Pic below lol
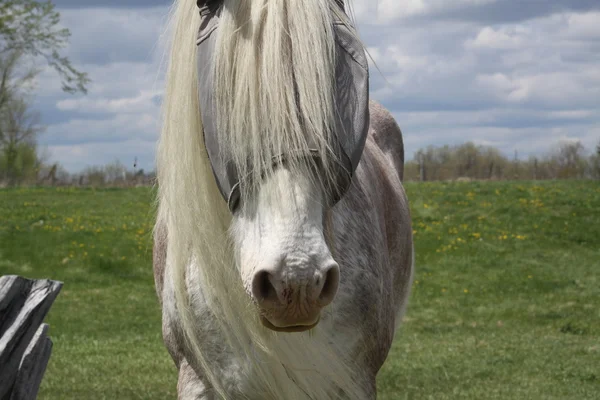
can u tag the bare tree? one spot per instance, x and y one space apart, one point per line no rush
32 28
569 159
19 127
15 81
116 172
595 163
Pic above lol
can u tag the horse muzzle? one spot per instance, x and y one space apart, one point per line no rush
293 302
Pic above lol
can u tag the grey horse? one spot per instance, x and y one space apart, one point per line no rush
285 291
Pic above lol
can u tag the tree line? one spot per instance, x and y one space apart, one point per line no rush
566 160
113 174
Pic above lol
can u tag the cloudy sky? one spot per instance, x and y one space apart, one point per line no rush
516 74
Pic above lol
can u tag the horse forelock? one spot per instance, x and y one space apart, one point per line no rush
274 86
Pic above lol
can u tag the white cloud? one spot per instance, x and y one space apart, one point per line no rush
116 129
75 157
387 11
583 26
505 38
142 102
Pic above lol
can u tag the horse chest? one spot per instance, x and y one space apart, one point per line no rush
239 375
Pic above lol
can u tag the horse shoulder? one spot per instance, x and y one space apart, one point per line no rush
385 151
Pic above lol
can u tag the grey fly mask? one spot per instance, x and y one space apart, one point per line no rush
351 103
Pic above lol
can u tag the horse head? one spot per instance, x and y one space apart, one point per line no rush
284 135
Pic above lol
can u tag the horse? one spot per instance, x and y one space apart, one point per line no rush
283 252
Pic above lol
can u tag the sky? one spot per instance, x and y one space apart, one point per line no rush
518 75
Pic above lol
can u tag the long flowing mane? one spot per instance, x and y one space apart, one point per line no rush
273 69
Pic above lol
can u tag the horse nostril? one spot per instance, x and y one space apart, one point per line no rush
262 288
330 286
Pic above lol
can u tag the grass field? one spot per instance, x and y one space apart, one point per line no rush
505 305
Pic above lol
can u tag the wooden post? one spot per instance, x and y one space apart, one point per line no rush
24 347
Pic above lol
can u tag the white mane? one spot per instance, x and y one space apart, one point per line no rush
265 47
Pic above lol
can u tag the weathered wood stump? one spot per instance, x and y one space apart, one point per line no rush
24 347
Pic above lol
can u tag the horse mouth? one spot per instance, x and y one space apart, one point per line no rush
288 329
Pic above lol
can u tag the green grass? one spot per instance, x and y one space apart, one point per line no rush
505 304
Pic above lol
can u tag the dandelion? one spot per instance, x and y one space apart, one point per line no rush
465 290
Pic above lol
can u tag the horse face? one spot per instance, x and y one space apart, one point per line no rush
285 262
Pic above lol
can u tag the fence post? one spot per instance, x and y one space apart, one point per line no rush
24 345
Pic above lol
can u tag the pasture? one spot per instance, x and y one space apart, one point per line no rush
505 303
